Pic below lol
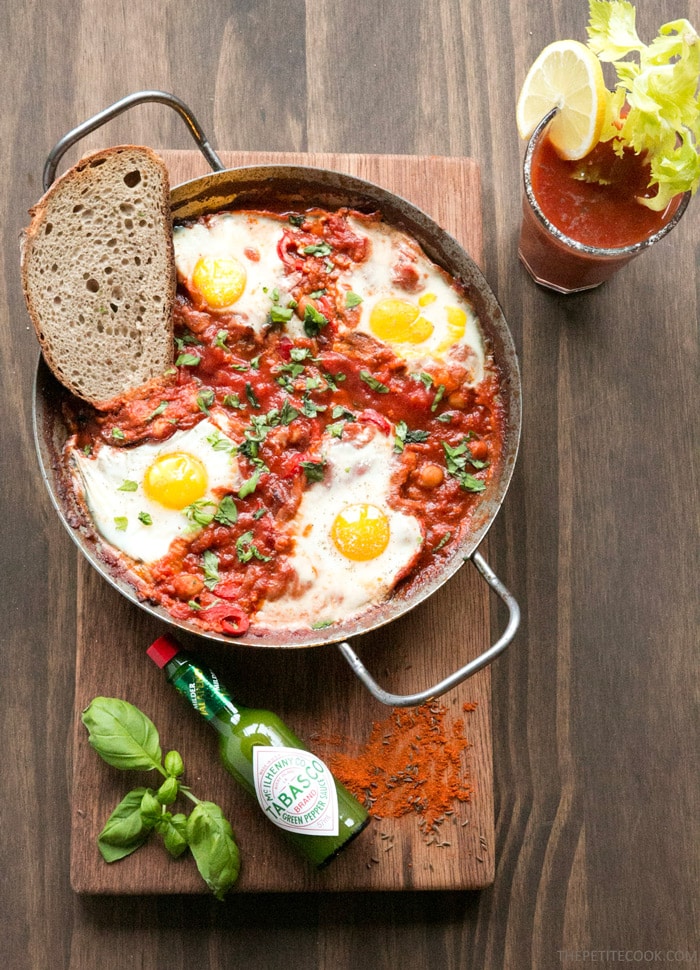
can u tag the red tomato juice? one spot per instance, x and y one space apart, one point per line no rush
592 201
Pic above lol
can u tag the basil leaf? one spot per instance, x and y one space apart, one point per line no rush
213 846
125 830
211 568
250 394
318 249
352 299
314 320
280 314
250 484
159 410
187 360
247 550
220 442
120 523
438 397
168 791
174 832
128 486
205 399
122 735
198 512
373 382
145 518
227 513
118 434
314 470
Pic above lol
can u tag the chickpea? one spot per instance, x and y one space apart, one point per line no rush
430 475
187 586
458 400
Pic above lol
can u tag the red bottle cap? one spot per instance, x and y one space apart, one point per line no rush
162 650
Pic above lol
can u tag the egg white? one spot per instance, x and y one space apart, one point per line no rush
232 234
103 475
329 587
373 281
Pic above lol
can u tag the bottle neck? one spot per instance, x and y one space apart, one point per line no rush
202 689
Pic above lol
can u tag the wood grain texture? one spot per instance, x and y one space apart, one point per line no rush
326 700
594 713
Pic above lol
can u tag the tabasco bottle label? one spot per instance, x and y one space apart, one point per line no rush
296 790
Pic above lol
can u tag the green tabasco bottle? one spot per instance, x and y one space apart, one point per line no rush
294 788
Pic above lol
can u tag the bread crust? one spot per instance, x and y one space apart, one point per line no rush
98 273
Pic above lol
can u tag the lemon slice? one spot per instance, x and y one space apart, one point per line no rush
567 75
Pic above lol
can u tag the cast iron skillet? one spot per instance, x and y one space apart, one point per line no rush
302 187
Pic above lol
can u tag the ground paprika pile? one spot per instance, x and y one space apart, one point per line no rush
412 762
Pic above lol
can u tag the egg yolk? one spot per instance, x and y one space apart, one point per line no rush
456 325
219 280
398 321
360 532
175 480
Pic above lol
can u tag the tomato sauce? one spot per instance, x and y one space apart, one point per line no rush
594 200
280 396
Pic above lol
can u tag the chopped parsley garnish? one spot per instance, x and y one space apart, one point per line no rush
118 434
232 401
314 320
295 219
373 382
145 518
210 563
404 436
120 523
352 299
128 486
221 338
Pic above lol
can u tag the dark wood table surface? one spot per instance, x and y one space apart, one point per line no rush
595 718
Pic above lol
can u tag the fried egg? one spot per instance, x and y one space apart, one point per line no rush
143 497
409 304
350 546
229 263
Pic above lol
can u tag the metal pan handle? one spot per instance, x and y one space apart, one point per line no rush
411 700
139 97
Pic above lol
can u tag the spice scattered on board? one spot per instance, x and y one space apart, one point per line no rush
412 762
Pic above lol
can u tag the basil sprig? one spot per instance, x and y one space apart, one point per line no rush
126 738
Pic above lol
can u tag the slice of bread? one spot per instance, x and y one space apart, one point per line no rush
98 273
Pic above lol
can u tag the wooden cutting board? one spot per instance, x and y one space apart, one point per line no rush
313 690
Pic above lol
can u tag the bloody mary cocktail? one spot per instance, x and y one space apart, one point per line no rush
581 219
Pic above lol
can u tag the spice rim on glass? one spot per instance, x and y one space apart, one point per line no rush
555 260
